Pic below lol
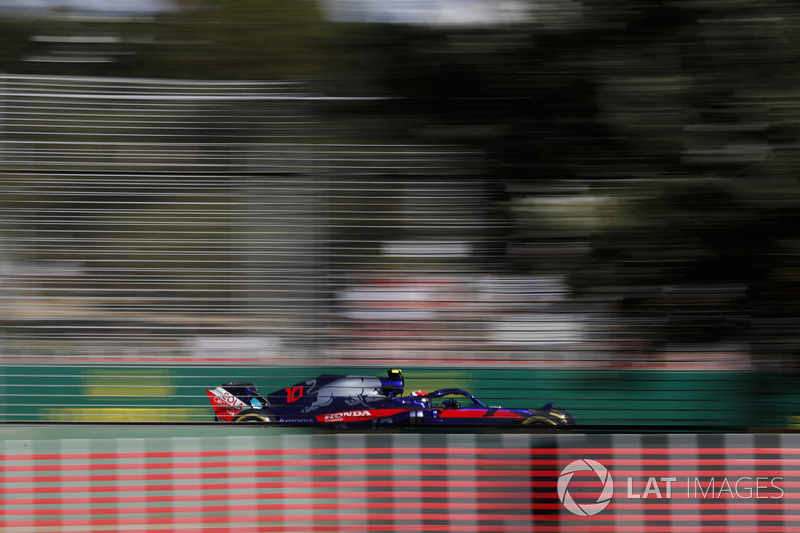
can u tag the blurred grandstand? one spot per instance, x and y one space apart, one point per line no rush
179 221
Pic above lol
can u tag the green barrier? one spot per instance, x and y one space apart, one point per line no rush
633 397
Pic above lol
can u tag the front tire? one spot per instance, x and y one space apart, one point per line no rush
540 421
254 416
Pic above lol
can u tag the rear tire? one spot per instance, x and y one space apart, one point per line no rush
254 416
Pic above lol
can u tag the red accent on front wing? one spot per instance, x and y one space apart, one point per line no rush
477 413
357 415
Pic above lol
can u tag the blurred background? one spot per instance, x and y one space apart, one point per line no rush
540 185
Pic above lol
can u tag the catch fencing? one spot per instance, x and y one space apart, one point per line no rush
260 480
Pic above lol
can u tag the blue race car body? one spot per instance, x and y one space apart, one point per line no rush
365 401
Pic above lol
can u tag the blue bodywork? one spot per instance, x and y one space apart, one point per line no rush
366 401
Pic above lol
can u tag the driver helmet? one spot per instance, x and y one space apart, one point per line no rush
418 393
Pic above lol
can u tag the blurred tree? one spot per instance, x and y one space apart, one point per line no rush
15 42
671 123
208 39
240 39
694 98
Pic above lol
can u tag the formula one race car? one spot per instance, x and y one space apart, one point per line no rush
360 401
